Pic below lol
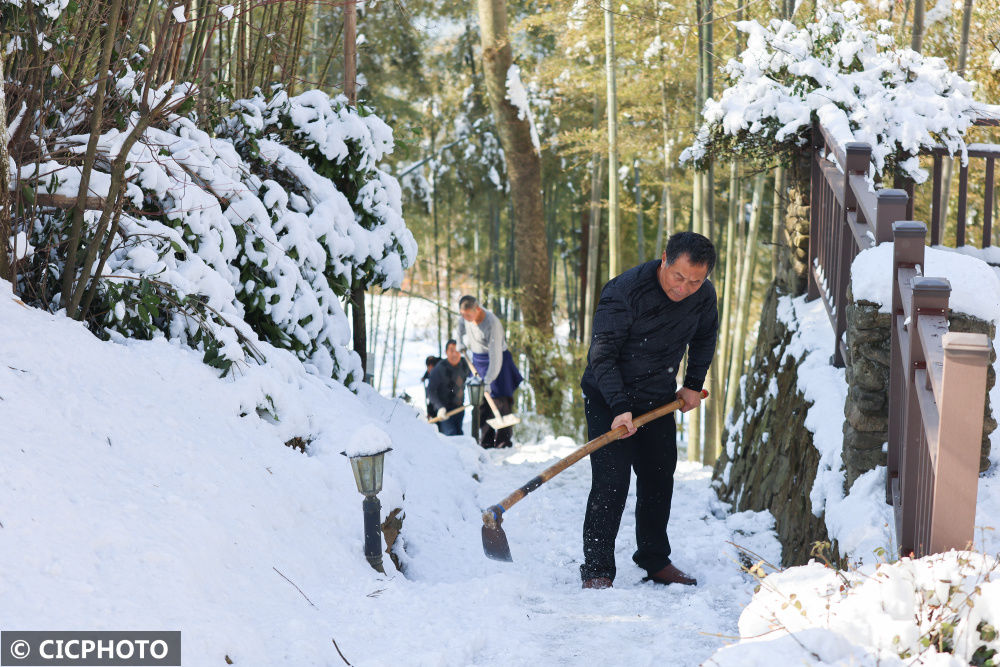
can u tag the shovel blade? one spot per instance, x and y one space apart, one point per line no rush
495 544
497 423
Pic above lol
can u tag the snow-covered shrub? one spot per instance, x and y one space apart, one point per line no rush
851 77
228 239
316 144
942 609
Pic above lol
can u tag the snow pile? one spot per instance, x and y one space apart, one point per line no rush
156 495
256 233
850 77
939 610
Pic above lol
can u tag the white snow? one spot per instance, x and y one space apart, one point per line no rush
178 13
903 613
518 96
140 490
850 76
975 287
368 440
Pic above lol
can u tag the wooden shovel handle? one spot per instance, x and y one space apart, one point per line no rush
434 420
491 516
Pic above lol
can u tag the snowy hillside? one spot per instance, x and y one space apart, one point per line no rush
140 491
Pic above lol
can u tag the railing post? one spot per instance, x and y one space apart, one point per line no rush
815 201
908 252
891 208
960 434
930 296
856 162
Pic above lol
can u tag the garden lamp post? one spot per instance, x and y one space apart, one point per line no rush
476 388
367 470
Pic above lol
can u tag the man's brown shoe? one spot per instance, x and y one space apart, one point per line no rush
597 583
671 575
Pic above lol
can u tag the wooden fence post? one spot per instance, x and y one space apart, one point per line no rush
857 161
960 435
907 252
930 297
891 208
815 197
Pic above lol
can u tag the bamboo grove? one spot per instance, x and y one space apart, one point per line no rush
614 90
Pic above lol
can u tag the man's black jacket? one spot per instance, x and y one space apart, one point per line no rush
446 385
639 341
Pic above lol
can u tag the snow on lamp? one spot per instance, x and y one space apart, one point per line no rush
367 455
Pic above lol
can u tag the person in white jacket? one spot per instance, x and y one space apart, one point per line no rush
482 333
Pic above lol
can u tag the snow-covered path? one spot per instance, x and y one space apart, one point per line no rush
469 610
474 611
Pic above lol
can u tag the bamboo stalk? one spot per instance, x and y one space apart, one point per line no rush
97 119
743 301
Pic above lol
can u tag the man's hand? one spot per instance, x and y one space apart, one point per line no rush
624 419
442 412
692 398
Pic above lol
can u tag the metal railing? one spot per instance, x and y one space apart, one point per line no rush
935 419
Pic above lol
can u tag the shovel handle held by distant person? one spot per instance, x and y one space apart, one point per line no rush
492 516
434 420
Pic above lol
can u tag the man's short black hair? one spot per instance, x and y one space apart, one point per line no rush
698 249
451 341
431 361
467 302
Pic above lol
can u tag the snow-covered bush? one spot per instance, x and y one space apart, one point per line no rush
851 77
942 610
232 238
342 146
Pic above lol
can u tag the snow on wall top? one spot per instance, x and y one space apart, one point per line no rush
975 288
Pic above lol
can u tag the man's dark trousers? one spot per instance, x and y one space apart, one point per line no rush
652 452
488 436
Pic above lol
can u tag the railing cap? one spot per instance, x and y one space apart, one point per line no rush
892 195
909 228
930 285
966 344
857 147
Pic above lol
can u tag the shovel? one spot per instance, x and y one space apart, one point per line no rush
435 420
498 421
495 540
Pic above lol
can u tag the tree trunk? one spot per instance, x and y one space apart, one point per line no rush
614 234
5 212
917 40
639 232
594 236
777 218
949 163
725 333
743 301
96 120
523 168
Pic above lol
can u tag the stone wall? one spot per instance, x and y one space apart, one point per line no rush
866 412
769 462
